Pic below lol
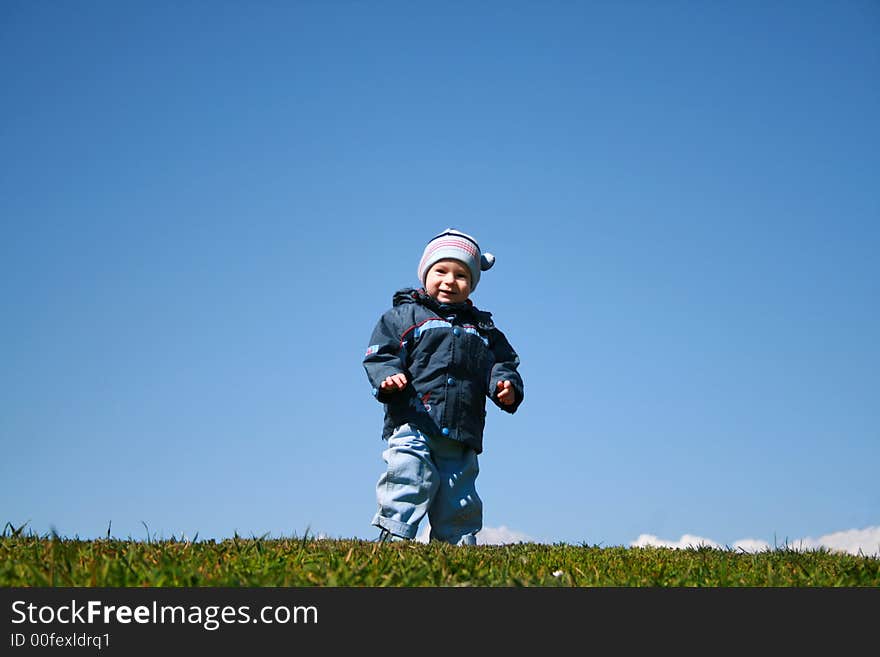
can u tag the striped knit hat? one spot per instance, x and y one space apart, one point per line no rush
458 246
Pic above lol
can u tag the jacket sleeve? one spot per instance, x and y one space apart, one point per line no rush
384 355
504 369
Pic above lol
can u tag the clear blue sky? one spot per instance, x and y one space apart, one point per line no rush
205 206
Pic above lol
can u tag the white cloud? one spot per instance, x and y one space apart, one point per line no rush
853 541
751 545
501 535
486 536
686 541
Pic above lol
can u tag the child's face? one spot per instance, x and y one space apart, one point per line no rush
448 281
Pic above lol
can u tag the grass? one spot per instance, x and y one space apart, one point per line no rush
28 560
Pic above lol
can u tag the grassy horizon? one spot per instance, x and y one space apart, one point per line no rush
30 560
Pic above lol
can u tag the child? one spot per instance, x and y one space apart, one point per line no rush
432 361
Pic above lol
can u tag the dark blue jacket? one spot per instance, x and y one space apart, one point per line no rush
453 357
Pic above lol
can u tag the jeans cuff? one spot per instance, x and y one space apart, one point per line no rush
396 527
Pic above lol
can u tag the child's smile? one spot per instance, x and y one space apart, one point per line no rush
448 281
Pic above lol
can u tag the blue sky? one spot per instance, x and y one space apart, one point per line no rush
206 206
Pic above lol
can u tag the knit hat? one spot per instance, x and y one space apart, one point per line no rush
458 246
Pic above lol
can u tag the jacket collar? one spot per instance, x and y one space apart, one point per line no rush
466 309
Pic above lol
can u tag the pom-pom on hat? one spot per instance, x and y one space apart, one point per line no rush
458 246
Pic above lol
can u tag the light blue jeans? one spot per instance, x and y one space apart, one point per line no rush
433 476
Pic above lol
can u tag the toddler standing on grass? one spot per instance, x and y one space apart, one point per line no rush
433 360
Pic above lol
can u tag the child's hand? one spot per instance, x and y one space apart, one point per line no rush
393 383
506 394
